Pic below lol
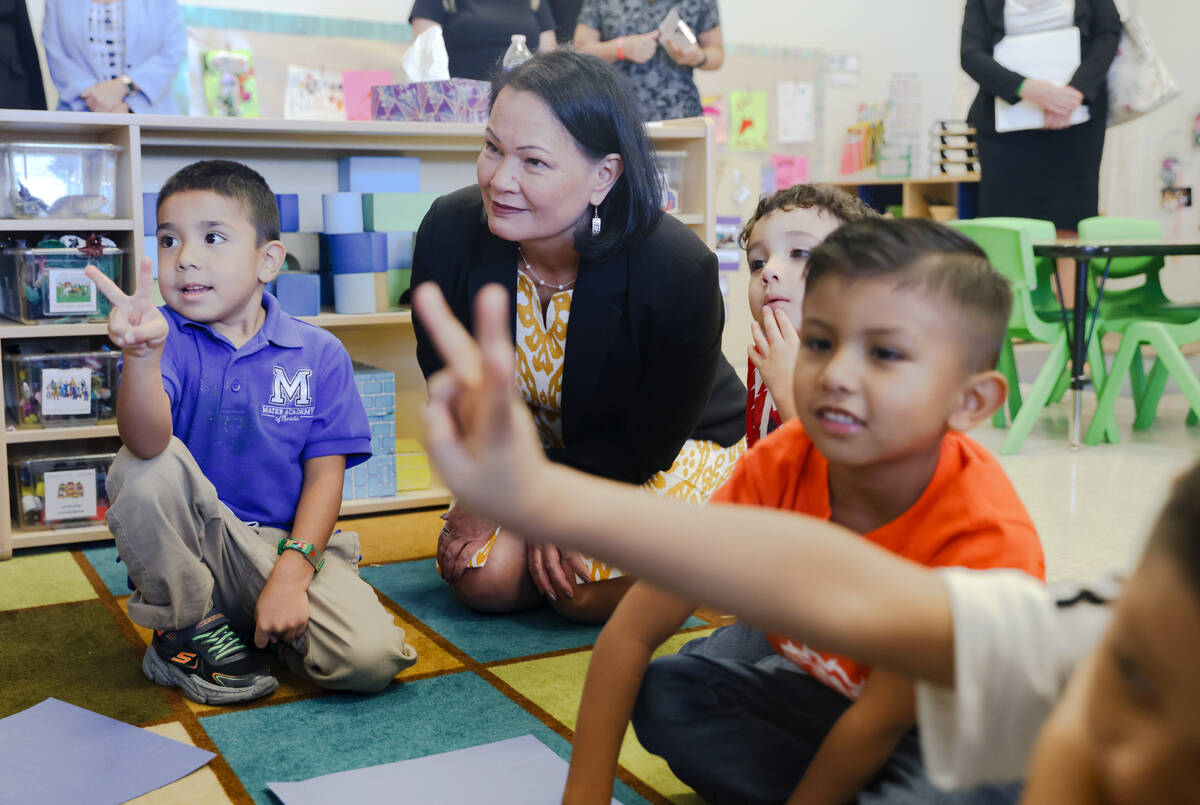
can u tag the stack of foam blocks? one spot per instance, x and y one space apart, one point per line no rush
375 477
298 285
366 246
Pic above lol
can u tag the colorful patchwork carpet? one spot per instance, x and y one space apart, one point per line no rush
65 632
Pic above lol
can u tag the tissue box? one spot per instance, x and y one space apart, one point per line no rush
412 466
60 490
61 388
455 100
43 286
58 180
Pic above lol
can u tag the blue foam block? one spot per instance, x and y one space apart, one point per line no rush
399 250
341 212
299 292
378 174
354 252
289 211
149 213
354 293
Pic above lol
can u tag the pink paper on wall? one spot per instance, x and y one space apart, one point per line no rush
715 108
356 84
789 170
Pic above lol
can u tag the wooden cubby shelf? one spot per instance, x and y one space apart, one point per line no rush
294 157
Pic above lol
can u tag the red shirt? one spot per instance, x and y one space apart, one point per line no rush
968 516
761 415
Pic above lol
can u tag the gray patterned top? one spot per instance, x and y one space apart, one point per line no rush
664 89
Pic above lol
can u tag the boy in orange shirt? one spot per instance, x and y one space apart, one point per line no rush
1109 692
902 323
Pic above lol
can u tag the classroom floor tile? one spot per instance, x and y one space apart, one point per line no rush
201 787
42 576
556 684
337 732
104 560
77 653
397 537
485 638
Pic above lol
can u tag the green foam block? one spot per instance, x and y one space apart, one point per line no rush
398 281
395 212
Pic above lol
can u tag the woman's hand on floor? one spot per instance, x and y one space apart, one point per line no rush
462 536
553 571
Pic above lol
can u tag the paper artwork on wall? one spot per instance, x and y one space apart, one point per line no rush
716 108
789 170
356 88
795 112
313 95
230 88
729 254
748 120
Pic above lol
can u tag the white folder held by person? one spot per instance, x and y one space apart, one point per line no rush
1049 55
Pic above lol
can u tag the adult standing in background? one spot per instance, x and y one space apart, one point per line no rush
625 33
566 14
20 67
1052 173
114 55
477 32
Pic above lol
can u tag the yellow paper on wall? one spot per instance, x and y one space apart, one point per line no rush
748 120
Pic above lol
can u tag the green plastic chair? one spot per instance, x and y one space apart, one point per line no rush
1008 247
1145 301
1044 301
1166 338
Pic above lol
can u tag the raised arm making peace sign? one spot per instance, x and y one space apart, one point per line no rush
135 324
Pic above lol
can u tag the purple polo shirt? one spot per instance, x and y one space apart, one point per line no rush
252 416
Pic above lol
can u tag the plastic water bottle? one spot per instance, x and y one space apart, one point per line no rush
517 52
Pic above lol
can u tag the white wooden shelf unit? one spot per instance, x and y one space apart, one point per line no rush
294 157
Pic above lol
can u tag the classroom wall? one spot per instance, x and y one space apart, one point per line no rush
917 35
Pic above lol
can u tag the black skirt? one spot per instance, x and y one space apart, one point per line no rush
1051 175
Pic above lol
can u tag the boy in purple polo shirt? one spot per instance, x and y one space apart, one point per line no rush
238 422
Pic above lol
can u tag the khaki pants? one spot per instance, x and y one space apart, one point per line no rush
188 553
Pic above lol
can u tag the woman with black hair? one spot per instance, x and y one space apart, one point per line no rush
616 313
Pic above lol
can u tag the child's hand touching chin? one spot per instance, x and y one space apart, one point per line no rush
774 352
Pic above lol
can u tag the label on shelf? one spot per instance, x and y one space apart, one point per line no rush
67 391
71 291
70 495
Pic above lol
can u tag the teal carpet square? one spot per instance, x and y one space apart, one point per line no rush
417 587
108 567
338 732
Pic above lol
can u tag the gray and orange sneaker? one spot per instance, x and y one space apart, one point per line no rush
208 662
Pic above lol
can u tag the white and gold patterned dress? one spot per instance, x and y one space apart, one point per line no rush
699 469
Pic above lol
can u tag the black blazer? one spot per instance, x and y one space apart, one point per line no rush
643 370
983 26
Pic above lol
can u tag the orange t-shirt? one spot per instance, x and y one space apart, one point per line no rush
968 516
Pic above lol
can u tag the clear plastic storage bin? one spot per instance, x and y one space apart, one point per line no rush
58 180
42 286
52 491
672 179
61 388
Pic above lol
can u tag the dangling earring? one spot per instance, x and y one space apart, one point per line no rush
595 221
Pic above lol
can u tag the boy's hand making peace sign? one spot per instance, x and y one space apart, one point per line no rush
135 324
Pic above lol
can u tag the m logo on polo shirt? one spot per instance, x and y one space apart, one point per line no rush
291 397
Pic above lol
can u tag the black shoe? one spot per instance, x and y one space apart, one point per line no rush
208 662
